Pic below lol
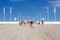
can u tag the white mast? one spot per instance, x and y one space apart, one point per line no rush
15 19
48 13
55 13
10 14
4 13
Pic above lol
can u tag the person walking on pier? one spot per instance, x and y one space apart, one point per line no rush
42 20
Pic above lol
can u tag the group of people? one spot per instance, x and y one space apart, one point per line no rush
29 22
26 22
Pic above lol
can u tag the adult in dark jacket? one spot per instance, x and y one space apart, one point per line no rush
42 20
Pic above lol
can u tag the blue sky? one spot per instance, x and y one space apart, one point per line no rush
29 9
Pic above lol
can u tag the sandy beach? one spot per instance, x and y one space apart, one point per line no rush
25 32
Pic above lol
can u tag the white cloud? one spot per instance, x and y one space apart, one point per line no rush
55 3
16 0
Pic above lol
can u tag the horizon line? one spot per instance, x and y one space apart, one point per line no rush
36 22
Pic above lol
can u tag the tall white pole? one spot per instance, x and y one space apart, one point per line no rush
37 18
10 14
15 19
55 13
48 13
4 13
18 16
